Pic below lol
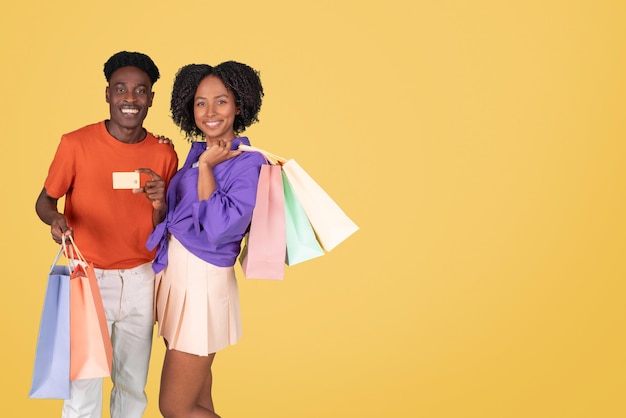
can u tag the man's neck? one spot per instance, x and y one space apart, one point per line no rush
125 135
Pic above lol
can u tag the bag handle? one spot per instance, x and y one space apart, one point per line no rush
280 160
71 252
75 251
62 249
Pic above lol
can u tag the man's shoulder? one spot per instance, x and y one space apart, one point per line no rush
164 149
87 130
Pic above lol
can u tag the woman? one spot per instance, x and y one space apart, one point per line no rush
209 209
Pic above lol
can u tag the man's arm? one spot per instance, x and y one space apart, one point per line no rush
46 208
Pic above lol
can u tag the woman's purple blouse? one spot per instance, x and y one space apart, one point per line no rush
210 229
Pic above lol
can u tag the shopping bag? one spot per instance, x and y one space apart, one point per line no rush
90 343
51 372
263 256
302 245
331 224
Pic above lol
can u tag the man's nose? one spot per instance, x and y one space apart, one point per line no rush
130 96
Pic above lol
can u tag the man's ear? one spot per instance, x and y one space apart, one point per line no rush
107 94
151 99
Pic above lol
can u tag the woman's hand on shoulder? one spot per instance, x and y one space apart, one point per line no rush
164 140
218 153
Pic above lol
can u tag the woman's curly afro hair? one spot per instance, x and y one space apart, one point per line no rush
131 59
240 79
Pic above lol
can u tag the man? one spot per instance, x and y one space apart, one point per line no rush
111 225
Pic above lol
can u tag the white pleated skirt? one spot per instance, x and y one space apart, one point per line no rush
196 303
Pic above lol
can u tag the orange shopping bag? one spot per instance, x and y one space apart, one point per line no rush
90 343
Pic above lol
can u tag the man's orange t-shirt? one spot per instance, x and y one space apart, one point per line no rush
110 226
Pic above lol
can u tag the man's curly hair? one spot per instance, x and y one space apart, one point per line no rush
132 59
240 79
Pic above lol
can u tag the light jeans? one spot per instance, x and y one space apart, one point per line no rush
128 297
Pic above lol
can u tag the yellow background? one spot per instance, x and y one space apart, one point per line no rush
478 145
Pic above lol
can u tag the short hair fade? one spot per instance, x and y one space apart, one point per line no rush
131 59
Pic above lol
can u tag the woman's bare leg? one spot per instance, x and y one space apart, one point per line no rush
205 399
184 392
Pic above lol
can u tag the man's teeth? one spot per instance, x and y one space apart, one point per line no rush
133 111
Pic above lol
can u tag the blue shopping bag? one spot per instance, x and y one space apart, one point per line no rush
51 373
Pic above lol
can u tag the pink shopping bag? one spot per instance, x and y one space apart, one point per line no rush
263 256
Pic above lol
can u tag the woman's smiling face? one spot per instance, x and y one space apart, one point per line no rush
214 110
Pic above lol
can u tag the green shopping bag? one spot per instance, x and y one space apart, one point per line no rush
302 245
